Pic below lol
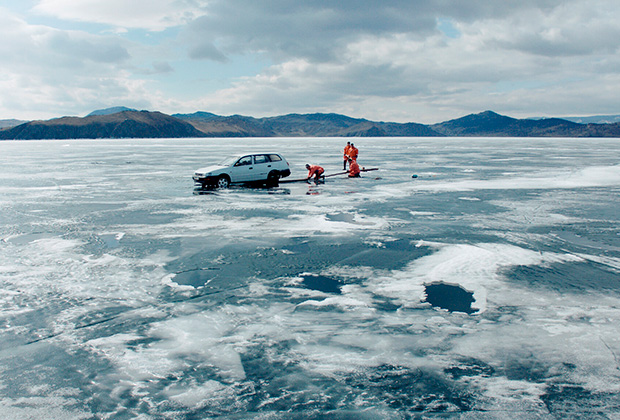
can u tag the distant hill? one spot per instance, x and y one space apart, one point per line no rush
491 124
110 111
126 124
300 125
595 119
212 125
145 124
10 123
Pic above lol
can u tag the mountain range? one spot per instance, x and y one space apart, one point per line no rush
121 122
595 119
124 124
10 123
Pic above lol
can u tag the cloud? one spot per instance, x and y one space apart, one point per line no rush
289 29
414 60
577 28
207 51
154 15
82 47
162 67
408 77
52 96
319 30
48 71
397 58
39 45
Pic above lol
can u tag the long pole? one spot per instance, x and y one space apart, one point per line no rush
346 172
286 181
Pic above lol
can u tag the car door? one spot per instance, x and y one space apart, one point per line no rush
242 170
278 163
262 165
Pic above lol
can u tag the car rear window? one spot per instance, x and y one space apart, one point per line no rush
275 158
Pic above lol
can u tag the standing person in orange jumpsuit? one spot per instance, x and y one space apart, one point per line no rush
354 169
315 170
353 152
347 149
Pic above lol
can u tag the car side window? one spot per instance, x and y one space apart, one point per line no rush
275 158
260 159
246 160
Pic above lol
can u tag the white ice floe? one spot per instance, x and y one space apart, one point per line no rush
476 268
168 280
203 338
597 176
197 395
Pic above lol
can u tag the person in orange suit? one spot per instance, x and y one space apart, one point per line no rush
354 169
353 152
347 149
315 170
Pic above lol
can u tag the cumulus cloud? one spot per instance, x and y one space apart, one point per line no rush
49 71
320 30
206 51
580 28
514 57
317 30
43 46
81 48
155 15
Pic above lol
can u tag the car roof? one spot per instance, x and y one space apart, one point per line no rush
258 153
239 155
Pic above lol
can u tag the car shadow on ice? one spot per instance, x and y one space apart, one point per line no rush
250 189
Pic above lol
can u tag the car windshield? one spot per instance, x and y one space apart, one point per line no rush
230 160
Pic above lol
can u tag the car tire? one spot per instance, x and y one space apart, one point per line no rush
223 182
273 179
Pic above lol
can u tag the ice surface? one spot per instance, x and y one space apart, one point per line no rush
127 293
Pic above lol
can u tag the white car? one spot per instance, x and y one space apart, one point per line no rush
255 168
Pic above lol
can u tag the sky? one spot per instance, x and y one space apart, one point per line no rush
422 61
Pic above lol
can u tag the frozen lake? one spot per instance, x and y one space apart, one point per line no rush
487 287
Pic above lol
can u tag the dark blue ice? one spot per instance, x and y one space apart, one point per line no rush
126 292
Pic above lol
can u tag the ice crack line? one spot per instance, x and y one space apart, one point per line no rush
613 353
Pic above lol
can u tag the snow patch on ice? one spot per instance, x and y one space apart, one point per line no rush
196 396
168 280
342 302
473 267
597 176
203 338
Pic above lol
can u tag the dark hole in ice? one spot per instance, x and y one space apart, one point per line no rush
321 283
195 277
450 297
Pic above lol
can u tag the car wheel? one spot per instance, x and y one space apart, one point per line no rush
273 179
223 182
